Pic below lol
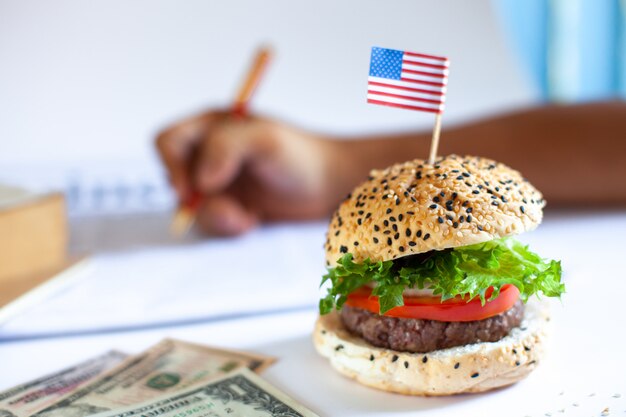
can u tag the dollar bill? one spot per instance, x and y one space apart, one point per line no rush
28 398
238 394
168 366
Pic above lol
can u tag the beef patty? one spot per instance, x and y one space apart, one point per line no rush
419 336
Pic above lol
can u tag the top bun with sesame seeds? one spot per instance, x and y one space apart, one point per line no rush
415 207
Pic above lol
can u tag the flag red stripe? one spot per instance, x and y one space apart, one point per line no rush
423 64
439 58
402 106
416 90
410 80
428 74
423 100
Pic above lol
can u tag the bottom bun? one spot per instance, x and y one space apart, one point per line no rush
471 368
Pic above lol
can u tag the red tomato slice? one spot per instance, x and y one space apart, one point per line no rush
432 308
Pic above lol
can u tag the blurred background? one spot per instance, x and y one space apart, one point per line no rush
85 86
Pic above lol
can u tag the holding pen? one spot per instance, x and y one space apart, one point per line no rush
185 215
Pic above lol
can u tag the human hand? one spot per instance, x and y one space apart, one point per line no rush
247 170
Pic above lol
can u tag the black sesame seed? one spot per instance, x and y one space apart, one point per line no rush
475 375
389 241
376 228
475 192
337 233
522 209
394 227
442 194
469 219
419 233
358 222
386 223
401 248
426 236
372 357
408 232
455 225
356 243
410 213
449 217
361 212
338 347
456 365
412 243
387 232
454 196
394 358
479 228
436 199
460 177
413 199
425 359
397 201
393 219
406 364
385 197
368 215
517 363
531 362
433 206
388 211
466 174
503 199
343 249
400 216
396 236
375 240
514 351
440 219
374 189
469 210
526 348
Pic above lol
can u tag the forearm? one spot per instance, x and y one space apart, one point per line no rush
576 155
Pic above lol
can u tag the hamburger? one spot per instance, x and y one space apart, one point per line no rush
427 291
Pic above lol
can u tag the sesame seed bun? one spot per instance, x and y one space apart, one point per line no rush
464 369
415 207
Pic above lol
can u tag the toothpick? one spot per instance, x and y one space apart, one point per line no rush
434 142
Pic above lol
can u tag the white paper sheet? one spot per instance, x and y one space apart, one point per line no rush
274 268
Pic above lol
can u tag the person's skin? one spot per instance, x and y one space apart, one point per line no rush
254 169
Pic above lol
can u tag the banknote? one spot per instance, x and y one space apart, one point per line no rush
168 366
28 398
240 393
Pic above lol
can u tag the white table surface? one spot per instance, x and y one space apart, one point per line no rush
584 372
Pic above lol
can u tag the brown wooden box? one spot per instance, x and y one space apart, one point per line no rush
33 238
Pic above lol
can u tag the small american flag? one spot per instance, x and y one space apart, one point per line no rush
407 80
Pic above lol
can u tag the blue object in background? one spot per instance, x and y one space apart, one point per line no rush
574 50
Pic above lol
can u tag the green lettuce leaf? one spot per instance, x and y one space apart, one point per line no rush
463 271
